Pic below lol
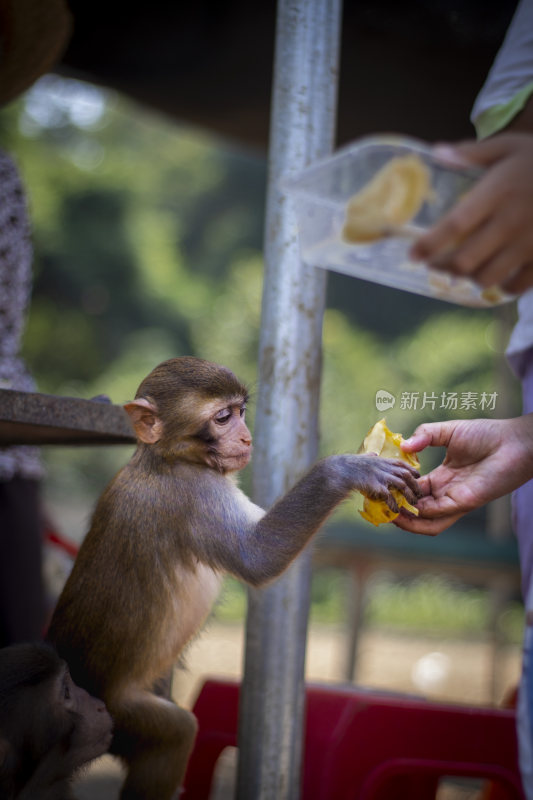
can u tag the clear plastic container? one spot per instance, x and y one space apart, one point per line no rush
321 193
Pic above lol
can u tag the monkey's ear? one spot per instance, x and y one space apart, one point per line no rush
143 414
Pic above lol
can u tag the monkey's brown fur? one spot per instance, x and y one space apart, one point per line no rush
165 530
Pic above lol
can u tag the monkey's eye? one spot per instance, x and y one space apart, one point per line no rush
242 411
223 417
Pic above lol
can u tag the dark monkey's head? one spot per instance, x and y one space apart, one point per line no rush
42 711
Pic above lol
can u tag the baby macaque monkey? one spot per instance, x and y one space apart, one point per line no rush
164 532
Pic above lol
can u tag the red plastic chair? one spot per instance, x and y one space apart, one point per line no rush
216 709
368 746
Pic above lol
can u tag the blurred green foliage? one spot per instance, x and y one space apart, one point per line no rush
428 605
148 244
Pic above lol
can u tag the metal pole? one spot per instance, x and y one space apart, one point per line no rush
286 434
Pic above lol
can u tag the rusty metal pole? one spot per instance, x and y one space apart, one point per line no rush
286 430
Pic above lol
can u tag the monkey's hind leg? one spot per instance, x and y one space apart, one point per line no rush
155 738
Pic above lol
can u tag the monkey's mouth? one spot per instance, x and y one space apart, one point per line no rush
240 460
103 744
245 455
228 462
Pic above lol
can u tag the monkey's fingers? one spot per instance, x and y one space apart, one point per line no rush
407 484
390 499
384 509
410 496
393 476
381 494
406 475
402 466
385 503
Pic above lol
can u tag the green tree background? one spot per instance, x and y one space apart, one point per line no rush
148 240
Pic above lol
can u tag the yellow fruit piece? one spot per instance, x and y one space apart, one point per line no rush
383 442
391 199
376 511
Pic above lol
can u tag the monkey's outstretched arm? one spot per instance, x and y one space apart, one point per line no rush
258 546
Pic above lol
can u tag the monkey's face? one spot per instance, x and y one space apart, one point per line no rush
41 707
227 438
92 723
193 410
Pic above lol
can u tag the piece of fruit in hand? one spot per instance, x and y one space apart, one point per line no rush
383 442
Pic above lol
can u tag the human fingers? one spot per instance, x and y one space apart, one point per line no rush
442 240
422 525
438 504
504 266
483 153
521 281
500 247
424 485
449 154
445 235
512 156
470 152
469 257
470 220
429 434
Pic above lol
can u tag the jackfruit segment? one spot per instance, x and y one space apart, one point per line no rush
376 511
389 200
384 442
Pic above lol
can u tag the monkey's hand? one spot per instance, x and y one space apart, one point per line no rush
388 480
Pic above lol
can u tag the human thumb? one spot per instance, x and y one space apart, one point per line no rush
430 434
